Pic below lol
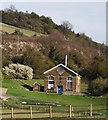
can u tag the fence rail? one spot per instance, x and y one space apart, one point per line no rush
38 111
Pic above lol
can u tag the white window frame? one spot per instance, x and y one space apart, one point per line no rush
50 86
67 82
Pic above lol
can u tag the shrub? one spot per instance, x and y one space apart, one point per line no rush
18 71
99 87
17 32
6 61
77 58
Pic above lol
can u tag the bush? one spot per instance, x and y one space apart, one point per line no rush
77 58
6 61
17 32
99 87
18 71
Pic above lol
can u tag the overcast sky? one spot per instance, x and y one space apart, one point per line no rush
86 17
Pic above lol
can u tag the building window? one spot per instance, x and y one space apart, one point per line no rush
69 84
51 83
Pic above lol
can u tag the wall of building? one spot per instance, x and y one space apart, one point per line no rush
63 81
78 83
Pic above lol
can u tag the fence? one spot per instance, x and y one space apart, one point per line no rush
42 111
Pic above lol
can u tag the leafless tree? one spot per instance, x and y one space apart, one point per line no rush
12 7
67 25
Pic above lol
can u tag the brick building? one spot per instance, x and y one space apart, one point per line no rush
61 79
37 86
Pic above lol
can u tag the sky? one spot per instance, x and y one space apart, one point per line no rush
86 17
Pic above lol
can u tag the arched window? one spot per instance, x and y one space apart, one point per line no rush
51 82
69 84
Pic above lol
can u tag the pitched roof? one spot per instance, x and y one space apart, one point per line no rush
62 66
36 83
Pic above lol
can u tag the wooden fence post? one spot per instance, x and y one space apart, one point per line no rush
91 110
70 111
12 113
50 111
31 112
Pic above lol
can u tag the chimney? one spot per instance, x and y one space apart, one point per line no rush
66 60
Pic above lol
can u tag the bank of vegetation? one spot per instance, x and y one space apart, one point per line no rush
85 56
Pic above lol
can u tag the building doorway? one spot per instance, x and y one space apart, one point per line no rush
60 89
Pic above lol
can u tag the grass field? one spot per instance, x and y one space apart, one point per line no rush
10 29
15 88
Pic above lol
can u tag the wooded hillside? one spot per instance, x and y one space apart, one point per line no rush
85 56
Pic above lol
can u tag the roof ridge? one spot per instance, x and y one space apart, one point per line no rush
63 66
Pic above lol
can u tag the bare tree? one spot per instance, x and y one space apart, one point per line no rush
12 7
67 25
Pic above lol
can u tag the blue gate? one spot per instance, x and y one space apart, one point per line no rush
60 89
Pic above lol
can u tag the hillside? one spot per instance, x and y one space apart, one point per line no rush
9 29
29 21
50 45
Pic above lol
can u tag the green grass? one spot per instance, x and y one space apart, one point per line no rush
10 29
15 88
16 84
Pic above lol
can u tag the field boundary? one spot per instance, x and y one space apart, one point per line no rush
57 111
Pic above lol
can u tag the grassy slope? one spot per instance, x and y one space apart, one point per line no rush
19 90
10 29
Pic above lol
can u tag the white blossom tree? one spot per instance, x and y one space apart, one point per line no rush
18 71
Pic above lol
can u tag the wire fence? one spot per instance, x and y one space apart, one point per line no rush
45 111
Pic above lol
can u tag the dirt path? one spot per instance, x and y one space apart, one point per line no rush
3 95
